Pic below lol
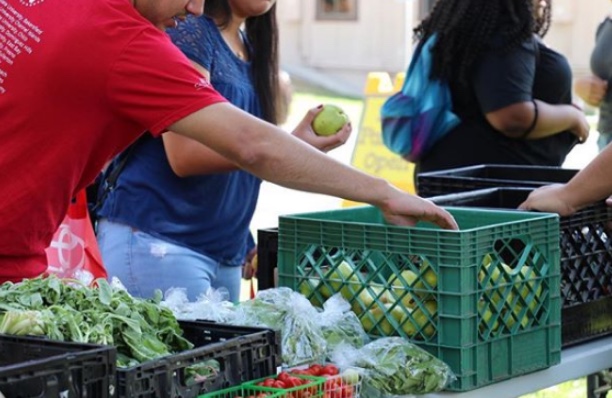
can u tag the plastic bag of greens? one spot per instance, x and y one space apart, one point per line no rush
212 305
340 325
260 311
283 309
395 367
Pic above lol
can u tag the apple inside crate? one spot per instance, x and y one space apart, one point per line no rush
484 299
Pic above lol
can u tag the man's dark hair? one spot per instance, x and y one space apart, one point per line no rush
464 29
262 34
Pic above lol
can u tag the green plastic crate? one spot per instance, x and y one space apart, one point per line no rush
484 299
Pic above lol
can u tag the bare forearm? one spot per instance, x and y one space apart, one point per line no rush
593 183
310 170
553 119
188 157
278 157
517 120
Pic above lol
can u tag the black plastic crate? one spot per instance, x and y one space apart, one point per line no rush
243 353
586 260
267 257
37 367
489 176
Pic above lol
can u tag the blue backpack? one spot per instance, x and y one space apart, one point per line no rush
416 117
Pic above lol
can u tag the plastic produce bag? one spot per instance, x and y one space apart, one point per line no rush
261 312
394 367
340 325
73 252
283 309
213 305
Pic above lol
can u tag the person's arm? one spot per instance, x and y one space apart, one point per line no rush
591 89
188 157
515 119
503 84
273 155
591 184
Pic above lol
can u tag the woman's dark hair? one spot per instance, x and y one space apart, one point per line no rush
464 29
262 34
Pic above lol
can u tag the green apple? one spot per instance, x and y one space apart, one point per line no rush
495 274
486 322
398 289
308 288
369 297
376 320
344 278
410 278
517 314
486 269
330 120
423 283
340 274
417 324
349 290
529 287
370 318
428 279
490 271
324 290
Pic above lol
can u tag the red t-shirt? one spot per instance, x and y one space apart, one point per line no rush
79 81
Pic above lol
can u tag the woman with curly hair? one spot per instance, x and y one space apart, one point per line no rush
512 93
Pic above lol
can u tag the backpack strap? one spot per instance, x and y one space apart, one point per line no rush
108 181
536 42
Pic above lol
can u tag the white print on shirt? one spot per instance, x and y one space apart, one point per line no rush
31 3
17 36
202 83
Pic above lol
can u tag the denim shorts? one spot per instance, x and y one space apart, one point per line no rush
144 263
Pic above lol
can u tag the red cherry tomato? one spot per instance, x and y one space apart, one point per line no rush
330 369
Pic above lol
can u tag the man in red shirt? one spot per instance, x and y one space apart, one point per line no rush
81 80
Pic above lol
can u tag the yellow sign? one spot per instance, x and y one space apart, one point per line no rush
370 154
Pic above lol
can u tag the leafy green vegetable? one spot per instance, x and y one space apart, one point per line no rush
140 329
200 372
395 366
283 309
340 325
22 323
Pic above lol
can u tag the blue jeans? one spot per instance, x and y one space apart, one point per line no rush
603 140
144 263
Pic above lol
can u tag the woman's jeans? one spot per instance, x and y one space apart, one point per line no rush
603 140
144 263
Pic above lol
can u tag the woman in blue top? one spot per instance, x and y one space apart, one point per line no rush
179 214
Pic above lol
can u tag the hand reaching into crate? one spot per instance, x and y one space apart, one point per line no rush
551 198
588 186
406 210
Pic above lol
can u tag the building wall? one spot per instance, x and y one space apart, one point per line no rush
345 50
573 30
380 39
